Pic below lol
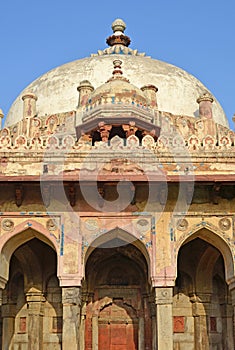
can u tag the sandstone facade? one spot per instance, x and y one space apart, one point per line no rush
117 214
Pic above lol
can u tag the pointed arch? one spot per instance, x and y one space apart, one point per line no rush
216 240
122 235
21 235
34 230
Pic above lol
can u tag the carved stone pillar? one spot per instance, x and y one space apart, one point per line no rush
35 302
85 89
227 325
205 105
71 317
104 130
29 111
146 326
141 337
200 310
154 324
8 324
232 293
164 300
95 332
150 92
85 298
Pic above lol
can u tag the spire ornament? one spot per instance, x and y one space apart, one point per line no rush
118 42
118 37
117 72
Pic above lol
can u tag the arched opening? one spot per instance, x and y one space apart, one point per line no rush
201 306
117 296
115 130
32 305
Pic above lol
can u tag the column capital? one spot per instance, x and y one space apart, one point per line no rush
200 303
201 298
29 95
9 310
231 283
71 295
35 296
3 282
164 295
206 96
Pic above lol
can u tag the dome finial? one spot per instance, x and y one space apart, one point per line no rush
118 25
117 72
118 37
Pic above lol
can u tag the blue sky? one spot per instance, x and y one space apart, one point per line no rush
198 36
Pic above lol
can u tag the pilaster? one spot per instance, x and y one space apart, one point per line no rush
35 302
8 324
200 309
164 301
71 317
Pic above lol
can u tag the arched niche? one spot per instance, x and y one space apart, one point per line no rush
33 294
117 238
216 240
117 293
201 302
13 242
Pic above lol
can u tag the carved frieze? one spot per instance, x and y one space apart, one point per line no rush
163 295
71 295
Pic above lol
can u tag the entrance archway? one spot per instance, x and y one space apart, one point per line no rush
202 308
116 298
32 306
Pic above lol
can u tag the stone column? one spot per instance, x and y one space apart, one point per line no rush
85 89
95 332
154 333
8 324
29 110
141 333
164 301
150 92
200 309
205 105
82 324
227 325
232 329
35 303
152 309
71 317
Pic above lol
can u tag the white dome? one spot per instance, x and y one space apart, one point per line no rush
57 89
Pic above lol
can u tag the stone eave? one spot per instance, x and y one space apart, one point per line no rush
205 179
